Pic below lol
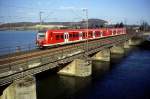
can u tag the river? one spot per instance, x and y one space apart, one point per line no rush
10 40
125 77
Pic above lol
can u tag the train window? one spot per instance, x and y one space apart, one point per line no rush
70 35
41 35
62 37
83 34
97 33
90 34
77 35
57 37
73 35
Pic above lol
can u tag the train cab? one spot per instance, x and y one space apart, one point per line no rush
41 38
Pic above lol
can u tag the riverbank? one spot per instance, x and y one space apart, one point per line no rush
34 27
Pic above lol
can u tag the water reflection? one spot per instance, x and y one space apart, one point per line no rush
57 86
61 87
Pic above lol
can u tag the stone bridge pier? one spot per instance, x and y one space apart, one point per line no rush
22 89
135 41
120 48
78 67
126 44
117 49
103 55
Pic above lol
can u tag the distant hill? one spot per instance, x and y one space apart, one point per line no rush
93 23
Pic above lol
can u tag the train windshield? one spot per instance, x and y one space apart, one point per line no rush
41 35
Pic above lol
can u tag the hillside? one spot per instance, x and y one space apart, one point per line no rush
35 25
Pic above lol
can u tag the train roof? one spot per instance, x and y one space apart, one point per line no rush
74 30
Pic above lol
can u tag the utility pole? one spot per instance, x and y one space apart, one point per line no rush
87 27
40 15
125 22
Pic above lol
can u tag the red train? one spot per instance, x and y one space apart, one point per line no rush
65 36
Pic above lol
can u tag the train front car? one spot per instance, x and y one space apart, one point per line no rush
41 38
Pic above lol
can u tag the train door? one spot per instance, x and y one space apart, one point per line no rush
116 32
80 35
101 33
112 32
93 34
66 37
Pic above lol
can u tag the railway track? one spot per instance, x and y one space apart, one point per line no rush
30 55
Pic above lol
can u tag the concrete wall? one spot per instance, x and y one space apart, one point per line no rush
78 67
22 89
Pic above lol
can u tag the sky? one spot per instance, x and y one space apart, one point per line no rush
113 11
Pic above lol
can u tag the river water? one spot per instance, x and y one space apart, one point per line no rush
125 77
10 40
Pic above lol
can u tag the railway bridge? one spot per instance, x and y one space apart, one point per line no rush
74 59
